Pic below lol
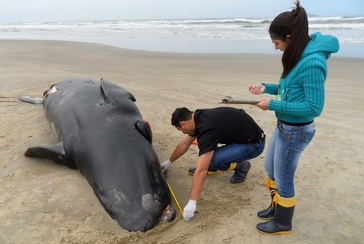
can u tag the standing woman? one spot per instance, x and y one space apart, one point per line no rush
300 97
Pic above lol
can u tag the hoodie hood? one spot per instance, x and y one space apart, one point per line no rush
323 44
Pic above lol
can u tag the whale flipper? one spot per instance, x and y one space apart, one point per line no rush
114 94
144 128
54 152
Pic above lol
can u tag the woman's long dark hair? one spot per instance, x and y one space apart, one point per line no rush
294 24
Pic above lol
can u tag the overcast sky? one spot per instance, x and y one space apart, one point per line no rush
75 10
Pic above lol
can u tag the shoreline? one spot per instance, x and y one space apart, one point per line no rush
199 46
42 202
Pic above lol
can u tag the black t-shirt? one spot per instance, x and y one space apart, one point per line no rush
224 125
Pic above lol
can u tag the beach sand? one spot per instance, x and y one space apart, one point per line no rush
41 202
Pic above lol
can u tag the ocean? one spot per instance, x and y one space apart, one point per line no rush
230 35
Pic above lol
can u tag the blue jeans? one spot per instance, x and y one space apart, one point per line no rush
284 151
230 153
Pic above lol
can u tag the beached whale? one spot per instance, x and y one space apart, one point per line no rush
102 134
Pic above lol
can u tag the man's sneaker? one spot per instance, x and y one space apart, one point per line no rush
210 171
241 171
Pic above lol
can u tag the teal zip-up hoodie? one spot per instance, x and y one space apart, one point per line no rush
302 91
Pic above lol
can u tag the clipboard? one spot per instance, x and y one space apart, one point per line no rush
232 100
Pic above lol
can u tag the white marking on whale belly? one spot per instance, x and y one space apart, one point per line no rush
147 202
120 197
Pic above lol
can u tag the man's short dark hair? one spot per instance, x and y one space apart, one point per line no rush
181 114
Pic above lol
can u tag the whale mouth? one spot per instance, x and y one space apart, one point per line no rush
168 215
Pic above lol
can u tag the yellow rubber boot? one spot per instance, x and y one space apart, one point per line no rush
282 220
268 213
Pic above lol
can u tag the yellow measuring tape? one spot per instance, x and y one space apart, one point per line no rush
174 197
170 188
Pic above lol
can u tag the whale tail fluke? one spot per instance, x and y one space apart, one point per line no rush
32 100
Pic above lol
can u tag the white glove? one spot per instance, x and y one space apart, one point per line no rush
165 165
189 210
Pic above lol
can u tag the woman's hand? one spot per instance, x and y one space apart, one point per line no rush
256 89
263 104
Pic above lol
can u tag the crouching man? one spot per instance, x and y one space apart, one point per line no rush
238 134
